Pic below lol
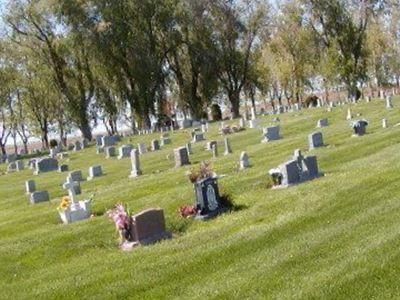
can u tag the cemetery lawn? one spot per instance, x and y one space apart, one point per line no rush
336 237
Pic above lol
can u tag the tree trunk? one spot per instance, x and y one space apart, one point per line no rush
61 133
86 131
26 147
234 99
3 149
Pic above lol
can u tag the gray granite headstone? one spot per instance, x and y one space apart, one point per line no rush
30 186
39 196
155 145
271 133
322 123
76 175
244 161
227 144
125 151
135 163
107 141
43 165
165 141
95 171
63 168
189 148
142 148
181 157
198 137
210 144
19 165
315 140
110 151
215 150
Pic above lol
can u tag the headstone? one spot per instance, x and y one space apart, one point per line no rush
53 152
322 123
30 186
359 127
135 162
142 148
32 163
149 227
155 145
315 140
389 102
271 133
165 141
99 150
253 113
244 161
253 123
110 151
78 146
76 185
78 210
76 175
215 150
95 171
19 165
204 128
63 168
62 155
242 123
295 171
85 143
181 157
208 200
43 165
227 144
125 151
198 137
70 147
39 196
210 144
185 124
189 148
11 158
384 123
99 140
349 116
12 167
107 141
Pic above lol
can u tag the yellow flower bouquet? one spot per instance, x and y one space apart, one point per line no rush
65 203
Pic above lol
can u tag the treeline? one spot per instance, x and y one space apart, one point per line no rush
73 63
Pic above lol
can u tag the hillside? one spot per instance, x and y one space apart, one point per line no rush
333 237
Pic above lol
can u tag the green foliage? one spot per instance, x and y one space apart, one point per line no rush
53 143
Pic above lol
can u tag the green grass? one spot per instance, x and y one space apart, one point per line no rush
336 237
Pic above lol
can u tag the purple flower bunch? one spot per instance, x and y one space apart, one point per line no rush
120 217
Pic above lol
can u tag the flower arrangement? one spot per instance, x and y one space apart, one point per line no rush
230 130
123 222
65 203
205 171
187 211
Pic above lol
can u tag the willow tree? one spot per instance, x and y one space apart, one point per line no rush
36 25
192 57
237 25
342 26
129 39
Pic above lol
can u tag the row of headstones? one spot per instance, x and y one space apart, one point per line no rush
125 150
75 176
